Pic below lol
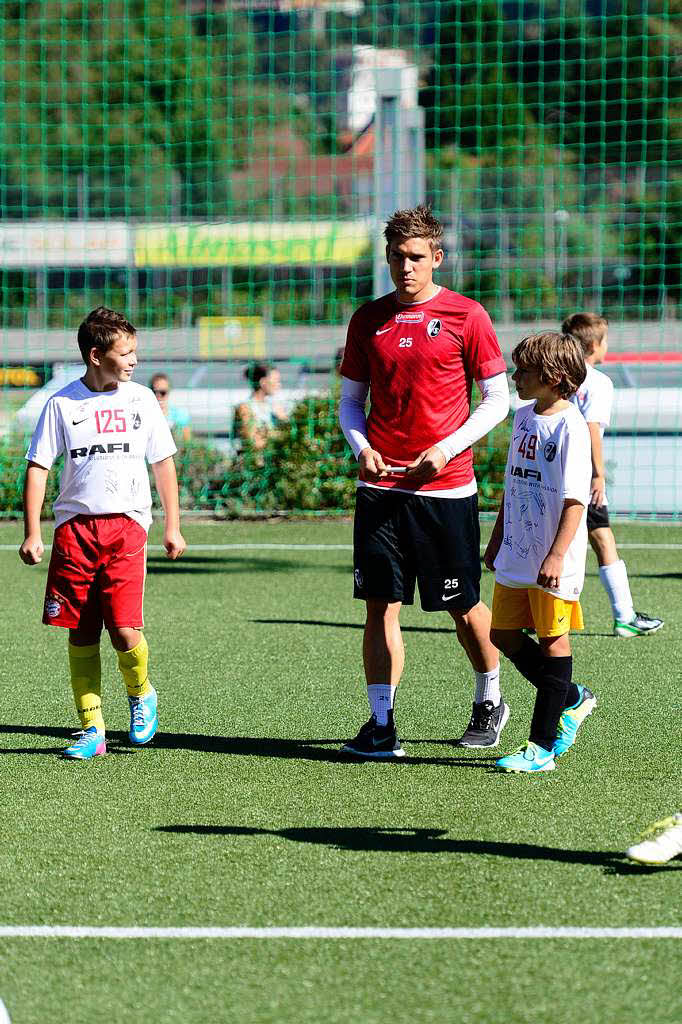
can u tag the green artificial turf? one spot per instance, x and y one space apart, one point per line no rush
243 812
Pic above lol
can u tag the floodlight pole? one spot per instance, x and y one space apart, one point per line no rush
399 175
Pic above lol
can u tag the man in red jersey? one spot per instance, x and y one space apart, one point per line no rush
418 350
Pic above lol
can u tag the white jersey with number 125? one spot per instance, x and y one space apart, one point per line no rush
106 437
549 462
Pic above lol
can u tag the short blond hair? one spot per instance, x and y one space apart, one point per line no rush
589 328
557 359
418 222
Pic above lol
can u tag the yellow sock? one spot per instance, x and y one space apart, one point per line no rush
86 682
133 666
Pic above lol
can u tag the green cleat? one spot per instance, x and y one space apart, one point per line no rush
571 720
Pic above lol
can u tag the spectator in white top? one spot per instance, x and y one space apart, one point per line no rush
259 415
594 400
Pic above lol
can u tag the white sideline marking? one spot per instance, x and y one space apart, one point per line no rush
326 547
314 932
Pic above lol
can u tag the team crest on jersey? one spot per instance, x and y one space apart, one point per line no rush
137 420
409 318
433 328
53 606
549 451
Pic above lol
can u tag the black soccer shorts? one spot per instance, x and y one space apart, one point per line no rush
401 538
597 517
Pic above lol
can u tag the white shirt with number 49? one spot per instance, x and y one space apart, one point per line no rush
106 437
549 462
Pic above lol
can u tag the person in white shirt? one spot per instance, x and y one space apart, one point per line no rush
107 428
594 398
538 545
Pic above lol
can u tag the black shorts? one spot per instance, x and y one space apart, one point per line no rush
401 538
597 517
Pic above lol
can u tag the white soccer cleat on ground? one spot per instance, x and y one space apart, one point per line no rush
660 843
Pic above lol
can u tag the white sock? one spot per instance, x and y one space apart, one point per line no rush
381 697
615 580
488 686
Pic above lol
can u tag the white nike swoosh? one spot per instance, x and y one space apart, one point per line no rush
384 332
449 597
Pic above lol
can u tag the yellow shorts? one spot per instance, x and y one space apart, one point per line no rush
530 608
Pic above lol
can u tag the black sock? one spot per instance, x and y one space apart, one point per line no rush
534 665
551 700
529 660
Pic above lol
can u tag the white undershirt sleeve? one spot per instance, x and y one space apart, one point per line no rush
352 413
492 410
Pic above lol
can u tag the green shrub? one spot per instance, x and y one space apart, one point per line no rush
12 475
306 466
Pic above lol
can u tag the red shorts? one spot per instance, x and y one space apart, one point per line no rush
96 575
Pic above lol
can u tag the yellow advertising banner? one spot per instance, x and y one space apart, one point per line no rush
231 337
278 243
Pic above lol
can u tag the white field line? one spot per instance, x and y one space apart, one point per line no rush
327 547
315 932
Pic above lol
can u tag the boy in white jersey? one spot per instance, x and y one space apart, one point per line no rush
538 545
107 428
594 398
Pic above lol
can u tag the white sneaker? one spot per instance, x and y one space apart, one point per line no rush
660 843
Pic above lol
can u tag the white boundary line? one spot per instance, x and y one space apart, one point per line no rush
314 932
326 547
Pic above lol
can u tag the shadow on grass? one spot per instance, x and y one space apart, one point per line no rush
194 564
422 840
239 746
350 625
215 564
654 575
117 742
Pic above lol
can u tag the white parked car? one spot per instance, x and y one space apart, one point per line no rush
207 391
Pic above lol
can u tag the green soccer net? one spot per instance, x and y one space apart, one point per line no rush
220 170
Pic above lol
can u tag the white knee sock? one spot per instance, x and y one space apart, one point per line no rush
381 697
615 580
488 686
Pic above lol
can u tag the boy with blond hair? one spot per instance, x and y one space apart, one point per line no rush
594 398
107 428
538 545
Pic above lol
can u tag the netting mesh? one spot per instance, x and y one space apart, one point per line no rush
220 171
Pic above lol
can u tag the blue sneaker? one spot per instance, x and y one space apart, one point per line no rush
571 720
528 758
90 743
144 720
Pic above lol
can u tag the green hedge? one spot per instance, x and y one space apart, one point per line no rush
307 466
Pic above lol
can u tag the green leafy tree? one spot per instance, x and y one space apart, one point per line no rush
134 107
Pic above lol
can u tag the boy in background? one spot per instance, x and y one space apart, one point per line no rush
594 398
538 545
106 426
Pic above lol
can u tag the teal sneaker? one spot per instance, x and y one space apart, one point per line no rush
528 758
144 720
571 720
90 743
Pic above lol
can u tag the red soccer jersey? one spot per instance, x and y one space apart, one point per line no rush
420 360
